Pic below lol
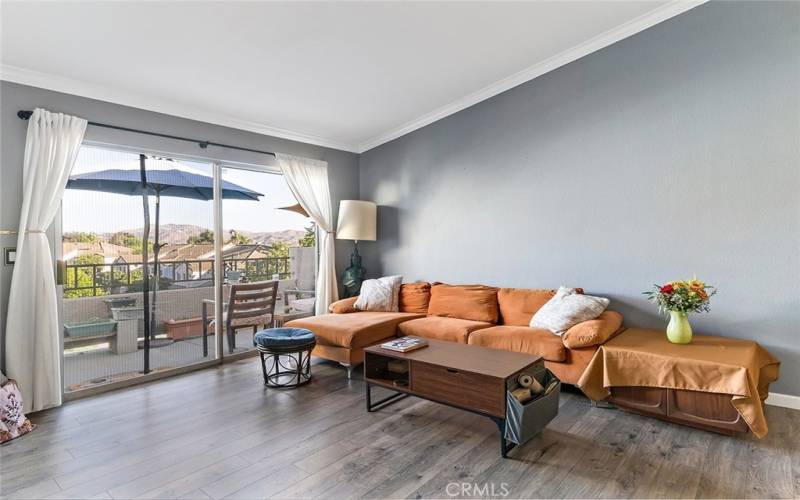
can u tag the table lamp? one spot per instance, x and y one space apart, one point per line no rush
357 222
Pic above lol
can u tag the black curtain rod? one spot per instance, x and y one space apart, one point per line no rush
24 115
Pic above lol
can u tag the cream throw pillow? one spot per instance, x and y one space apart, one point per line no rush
382 294
566 309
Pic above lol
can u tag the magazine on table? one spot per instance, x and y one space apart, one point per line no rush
405 344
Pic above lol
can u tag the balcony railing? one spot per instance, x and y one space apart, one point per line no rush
108 279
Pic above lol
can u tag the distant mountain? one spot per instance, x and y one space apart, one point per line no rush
290 236
179 233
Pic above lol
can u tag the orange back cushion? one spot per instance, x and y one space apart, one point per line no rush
472 302
414 297
517 305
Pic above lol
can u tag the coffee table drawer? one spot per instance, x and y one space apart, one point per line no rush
465 389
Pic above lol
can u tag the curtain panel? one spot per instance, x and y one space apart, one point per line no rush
32 350
308 181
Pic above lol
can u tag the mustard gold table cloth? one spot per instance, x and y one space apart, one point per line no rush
645 358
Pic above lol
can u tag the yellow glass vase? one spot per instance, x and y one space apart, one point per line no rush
679 331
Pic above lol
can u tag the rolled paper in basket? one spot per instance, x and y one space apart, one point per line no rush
536 387
552 385
522 394
524 380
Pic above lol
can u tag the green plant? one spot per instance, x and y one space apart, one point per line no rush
126 239
81 277
80 237
308 239
238 238
205 236
278 249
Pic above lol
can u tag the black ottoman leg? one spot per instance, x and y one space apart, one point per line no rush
264 367
299 367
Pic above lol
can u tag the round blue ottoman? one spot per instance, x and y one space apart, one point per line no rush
285 356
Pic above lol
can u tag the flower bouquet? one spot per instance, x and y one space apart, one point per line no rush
678 299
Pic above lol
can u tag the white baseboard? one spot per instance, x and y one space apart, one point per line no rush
783 400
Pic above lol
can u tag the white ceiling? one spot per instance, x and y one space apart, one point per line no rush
346 75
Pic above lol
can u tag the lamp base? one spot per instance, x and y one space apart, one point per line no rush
354 275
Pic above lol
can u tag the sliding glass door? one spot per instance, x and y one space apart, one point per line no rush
141 292
266 238
117 242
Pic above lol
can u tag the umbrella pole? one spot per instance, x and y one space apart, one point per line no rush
156 270
145 272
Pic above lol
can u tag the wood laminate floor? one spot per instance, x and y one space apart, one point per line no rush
218 433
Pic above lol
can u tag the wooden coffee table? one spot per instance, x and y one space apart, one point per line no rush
468 377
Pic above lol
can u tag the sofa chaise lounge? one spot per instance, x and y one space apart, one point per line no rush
470 314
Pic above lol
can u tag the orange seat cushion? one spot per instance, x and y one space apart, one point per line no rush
414 297
354 330
435 327
471 302
518 305
570 371
521 339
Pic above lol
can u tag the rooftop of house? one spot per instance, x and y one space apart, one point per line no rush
74 249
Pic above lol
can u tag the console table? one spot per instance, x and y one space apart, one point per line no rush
713 383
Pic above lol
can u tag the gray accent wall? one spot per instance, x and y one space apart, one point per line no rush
673 152
342 166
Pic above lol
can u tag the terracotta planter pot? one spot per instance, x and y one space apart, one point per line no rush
179 329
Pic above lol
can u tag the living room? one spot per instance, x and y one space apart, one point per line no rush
218 218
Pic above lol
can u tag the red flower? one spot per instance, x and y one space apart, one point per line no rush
667 288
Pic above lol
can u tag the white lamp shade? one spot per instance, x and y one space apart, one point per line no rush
357 220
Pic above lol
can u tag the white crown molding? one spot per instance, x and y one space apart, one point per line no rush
783 400
598 42
33 78
103 93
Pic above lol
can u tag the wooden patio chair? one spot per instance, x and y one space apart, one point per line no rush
249 305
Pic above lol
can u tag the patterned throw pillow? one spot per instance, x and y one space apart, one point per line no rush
380 294
13 422
566 309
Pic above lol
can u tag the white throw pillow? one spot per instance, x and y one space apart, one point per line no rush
382 294
566 309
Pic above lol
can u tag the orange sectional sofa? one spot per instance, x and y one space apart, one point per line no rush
492 317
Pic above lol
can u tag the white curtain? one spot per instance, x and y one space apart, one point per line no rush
308 181
33 354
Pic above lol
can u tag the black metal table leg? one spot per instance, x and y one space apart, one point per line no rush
383 402
505 446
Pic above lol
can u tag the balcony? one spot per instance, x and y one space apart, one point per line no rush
102 341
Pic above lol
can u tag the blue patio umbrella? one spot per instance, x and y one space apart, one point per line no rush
173 183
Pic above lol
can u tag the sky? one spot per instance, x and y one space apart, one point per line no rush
97 212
